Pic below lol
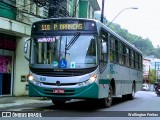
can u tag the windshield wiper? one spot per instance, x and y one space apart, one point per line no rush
73 40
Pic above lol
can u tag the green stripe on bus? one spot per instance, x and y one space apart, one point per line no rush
107 81
104 81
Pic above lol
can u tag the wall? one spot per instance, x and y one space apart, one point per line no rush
21 67
22 32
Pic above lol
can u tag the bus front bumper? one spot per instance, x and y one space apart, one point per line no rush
84 92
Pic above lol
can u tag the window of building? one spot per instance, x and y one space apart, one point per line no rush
33 8
9 2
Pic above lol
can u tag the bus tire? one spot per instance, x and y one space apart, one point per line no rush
58 102
107 102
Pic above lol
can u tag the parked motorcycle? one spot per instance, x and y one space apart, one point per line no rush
157 89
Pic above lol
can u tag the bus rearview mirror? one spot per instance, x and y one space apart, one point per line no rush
25 50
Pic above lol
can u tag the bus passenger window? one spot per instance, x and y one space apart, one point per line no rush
111 55
103 50
127 57
113 50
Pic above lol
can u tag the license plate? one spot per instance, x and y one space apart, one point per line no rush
58 91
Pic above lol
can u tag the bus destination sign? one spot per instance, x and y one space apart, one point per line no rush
63 25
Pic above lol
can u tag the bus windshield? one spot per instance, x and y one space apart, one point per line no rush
65 51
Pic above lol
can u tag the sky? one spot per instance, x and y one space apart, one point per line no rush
144 21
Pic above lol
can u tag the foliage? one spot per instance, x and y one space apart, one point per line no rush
152 76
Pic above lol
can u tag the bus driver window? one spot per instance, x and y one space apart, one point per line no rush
103 49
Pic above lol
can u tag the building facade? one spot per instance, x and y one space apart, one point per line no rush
155 65
16 17
146 70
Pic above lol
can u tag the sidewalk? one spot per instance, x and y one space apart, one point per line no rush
8 101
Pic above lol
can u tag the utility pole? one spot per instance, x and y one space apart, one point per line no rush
102 12
75 8
155 70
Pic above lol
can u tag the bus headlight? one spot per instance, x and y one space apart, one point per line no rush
90 81
30 77
32 80
93 78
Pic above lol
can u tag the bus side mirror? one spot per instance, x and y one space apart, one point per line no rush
104 47
25 49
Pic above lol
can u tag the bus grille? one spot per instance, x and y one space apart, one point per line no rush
61 72
62 84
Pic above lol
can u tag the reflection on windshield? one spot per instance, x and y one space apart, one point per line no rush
52 51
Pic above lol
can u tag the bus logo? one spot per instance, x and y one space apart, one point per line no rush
58 83
55 63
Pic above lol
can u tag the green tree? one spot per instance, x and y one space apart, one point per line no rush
152 76
157 52
145 45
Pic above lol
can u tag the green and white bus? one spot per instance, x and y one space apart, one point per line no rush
72 58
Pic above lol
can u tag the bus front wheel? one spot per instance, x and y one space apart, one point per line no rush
107 102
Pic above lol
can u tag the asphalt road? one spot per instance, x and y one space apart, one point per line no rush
145 106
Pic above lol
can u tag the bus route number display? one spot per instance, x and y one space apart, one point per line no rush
61 26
